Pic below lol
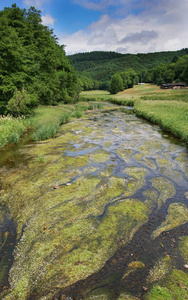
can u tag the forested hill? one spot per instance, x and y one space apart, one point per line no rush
100 66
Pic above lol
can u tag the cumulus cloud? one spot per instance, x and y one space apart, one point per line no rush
157 25
48 20
142 37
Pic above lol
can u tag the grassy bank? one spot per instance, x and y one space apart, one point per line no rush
167 108
172 116
11 129
45 122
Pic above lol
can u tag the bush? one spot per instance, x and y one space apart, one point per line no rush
21 103
77 114
90 107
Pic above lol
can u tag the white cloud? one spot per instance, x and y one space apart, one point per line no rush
48 20
36 3
159 25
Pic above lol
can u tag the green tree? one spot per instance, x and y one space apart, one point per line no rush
116 84
21 103
31 56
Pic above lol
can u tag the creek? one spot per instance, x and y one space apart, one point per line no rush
99 212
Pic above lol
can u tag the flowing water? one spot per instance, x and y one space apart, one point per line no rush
99 212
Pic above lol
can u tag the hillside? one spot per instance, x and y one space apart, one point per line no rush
100 66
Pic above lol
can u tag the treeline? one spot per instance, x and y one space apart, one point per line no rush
175 71
96 70
33 66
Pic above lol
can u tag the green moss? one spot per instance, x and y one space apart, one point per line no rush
176 287
177 215
158 293
177 284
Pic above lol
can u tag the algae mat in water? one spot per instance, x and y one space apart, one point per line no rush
94 210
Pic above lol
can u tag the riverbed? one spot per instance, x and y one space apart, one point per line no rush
99 212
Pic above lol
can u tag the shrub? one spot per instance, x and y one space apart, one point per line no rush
21 103
10 130
77 114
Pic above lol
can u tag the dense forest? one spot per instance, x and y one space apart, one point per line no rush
104 70
33 66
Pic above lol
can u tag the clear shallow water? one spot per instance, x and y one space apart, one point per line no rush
137 168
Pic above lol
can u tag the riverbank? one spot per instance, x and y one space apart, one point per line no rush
167 108
44 123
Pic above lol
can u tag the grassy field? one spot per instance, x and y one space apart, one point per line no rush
167 108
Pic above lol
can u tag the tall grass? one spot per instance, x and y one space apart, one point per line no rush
171 116
11 129
47 121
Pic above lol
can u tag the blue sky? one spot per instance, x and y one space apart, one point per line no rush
125 26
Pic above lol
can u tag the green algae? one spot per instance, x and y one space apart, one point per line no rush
136 265
151 146
106 172
160 270
107 144
101 294
68 232
139 157
151 197
183 247
137 179
100 156
133 267
125 154
177 215
126 296
99 242
165 188
175 175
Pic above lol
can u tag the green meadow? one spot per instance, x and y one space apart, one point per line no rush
167 108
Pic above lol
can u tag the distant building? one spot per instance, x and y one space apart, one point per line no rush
173 86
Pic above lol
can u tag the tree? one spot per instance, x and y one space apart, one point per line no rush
116 84
21 103
31 56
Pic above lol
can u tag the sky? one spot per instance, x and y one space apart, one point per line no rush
124 26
